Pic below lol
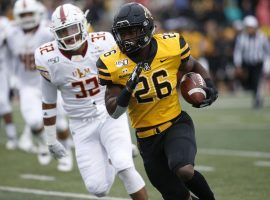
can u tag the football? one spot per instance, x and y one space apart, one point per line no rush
191 88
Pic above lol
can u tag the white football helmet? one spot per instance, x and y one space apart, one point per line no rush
22 7
43 11
69 27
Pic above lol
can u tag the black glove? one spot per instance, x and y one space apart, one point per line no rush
211 94
134 77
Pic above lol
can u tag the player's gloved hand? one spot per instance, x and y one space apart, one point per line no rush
134 77
57 150
211 94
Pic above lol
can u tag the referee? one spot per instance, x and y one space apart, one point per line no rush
251 50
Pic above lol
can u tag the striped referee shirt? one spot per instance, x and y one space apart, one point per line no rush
251 49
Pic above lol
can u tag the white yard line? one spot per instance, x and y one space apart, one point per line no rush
55 193
203 168
262 163
238 153
37 177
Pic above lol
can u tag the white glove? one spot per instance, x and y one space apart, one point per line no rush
55 147
57 150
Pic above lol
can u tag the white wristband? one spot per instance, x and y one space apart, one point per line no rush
48 113
50 134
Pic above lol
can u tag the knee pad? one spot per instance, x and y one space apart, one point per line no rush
185 173
97 188
4 108
36 128
132 180
122 161
35 124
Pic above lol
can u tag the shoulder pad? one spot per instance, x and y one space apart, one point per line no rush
168 44
47 49
104 40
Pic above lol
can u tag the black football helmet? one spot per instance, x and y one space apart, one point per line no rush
137 18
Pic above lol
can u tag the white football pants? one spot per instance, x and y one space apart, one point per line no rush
102 148
4 92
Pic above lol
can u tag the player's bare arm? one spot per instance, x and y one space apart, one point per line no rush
111 94
194 66
49 97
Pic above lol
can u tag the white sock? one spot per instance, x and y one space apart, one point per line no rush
132 180
11 131
40 138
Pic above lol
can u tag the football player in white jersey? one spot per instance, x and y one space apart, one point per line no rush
5 107
102 144
29 33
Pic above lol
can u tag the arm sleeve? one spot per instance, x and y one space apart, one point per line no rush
266 63
266 46
103 73
49 92
40 66
237 54
184 49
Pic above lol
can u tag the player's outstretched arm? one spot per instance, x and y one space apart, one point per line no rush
49 117
192 65
49 98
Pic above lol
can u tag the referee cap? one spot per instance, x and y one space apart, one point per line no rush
250 21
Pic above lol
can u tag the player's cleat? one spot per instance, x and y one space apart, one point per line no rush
193 198
44 156
11 144
135 151
65 164
27 147
26 141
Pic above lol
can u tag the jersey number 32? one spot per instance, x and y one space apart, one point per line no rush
87 92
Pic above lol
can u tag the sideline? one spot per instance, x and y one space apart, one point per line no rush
262 163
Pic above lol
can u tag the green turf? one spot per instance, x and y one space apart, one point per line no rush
229 124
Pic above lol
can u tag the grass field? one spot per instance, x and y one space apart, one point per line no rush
233 154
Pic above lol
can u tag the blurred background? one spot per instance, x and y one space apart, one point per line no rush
209 26
233 134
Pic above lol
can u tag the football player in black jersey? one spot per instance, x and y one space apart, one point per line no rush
141 76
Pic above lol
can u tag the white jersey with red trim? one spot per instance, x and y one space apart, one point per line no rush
76 77
4 58
4 26
23 45
4 64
